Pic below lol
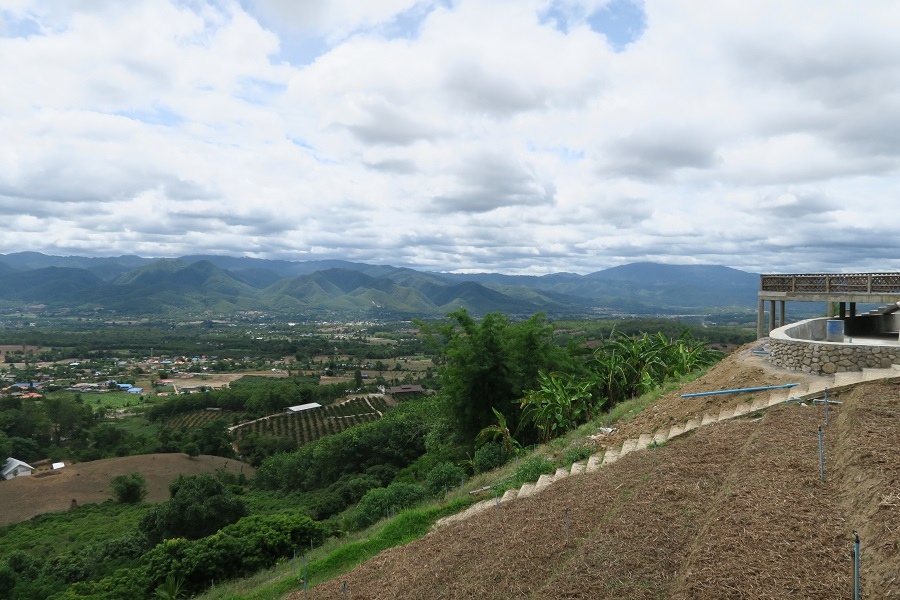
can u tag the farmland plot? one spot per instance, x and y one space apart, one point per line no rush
309 425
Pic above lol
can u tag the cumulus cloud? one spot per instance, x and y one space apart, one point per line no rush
524 137
492 181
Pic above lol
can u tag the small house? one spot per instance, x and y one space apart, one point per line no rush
405 389
16 468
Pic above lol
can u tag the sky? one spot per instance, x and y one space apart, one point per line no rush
511 136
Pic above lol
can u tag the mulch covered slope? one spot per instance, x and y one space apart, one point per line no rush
734 510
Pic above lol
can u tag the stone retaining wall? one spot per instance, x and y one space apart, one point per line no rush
817 356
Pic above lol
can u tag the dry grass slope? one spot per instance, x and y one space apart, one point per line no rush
53 491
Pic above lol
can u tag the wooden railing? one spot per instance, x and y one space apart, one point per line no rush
823 283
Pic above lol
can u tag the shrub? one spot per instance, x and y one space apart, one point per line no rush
489 457
443 476
200 506
381 502
129 489
251 544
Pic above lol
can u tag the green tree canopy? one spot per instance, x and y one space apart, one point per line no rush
489 365
200 505
129 489
5 448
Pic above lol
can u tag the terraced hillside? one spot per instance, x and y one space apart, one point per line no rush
734 508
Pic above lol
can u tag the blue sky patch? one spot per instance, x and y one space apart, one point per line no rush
620 21
158 115
14 27
258 91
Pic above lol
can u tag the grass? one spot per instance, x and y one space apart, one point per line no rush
336 556
138 425
52 534
111 400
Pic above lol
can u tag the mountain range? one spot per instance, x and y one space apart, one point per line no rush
223 285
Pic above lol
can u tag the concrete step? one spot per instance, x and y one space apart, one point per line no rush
794 392
760 403
629 446
676 430
561 473
819 385
726 413
803 389
610 457
875 374
847 378
661 437
692 424
709 418
526 490
742 409
644 441
472 510
777 396
542 482
594 462
578 467
509 495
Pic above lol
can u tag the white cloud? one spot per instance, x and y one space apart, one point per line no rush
472 134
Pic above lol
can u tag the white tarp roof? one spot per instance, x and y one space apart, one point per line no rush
301 407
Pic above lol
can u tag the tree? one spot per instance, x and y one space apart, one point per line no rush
557 405
489 365
199 506
67 416
129 489
191 449
498 430
5 448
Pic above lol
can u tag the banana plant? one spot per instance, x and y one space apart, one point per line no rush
559 404
498 430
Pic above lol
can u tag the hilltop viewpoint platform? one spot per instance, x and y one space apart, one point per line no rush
823 346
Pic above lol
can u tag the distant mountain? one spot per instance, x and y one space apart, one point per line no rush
204 284
48 285
28 261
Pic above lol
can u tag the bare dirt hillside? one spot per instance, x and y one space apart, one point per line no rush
735 509
52 491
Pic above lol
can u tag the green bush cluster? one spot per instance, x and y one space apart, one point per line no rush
444 476
251 544
199 506
490 456
383 502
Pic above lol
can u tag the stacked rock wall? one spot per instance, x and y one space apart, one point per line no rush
816 356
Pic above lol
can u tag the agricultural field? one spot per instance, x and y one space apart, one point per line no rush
199 418
309 425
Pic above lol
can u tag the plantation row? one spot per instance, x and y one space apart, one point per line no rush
193 420
310 425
